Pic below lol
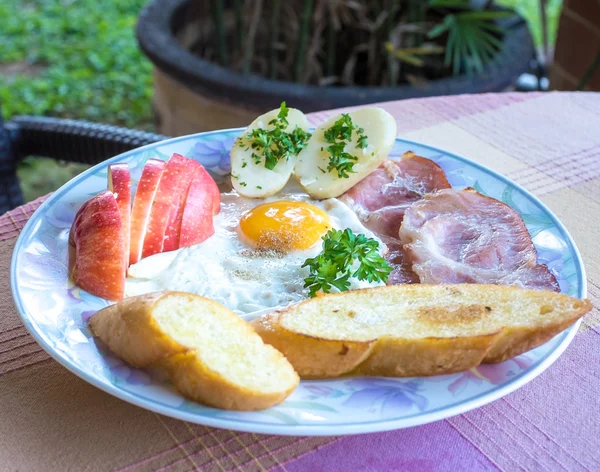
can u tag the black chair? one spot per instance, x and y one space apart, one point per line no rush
60 139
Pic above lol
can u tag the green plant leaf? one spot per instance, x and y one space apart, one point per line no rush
492 27
438 30
472 39
422 50
450 4
486 15
487 50
83 61
457 56
410 55
450 47
475 54
407 58
489 38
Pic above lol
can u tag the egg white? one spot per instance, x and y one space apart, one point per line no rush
226 270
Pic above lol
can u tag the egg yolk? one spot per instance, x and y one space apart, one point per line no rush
284 225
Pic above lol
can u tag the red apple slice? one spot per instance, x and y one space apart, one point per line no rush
75 224
119 183
99 265
213 189
142 204
168 189
197 219
171 239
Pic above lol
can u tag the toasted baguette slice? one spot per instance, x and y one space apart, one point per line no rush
416 330
211 355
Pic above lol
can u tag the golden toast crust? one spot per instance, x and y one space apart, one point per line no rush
471 308
132 332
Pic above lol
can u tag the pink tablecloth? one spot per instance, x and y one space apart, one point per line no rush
549 143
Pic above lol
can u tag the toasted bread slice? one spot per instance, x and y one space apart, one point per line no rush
211 355
416 330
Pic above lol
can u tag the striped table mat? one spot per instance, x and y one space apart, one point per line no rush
549 143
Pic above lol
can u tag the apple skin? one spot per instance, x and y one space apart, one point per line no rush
171 239
197 221
75 224
168 189
142 204
119 183
99 266
213 189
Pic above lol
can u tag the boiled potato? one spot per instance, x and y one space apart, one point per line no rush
311 166
253 179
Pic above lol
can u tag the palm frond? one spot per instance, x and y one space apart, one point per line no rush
472 38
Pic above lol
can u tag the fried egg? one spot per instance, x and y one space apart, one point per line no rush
254 260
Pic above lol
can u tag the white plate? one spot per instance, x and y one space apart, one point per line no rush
55 312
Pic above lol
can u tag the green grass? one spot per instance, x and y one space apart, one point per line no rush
93 67
80 59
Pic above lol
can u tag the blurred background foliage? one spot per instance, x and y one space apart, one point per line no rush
87 63
530 10
349 43
80 59
75 59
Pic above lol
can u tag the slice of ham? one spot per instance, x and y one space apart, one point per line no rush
461 236
381 199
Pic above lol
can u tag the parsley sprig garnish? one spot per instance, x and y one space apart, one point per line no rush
342 252
338 136
275 144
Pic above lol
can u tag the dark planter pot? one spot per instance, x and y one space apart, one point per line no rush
183 76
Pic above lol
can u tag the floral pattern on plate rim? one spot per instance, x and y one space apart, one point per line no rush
56 312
